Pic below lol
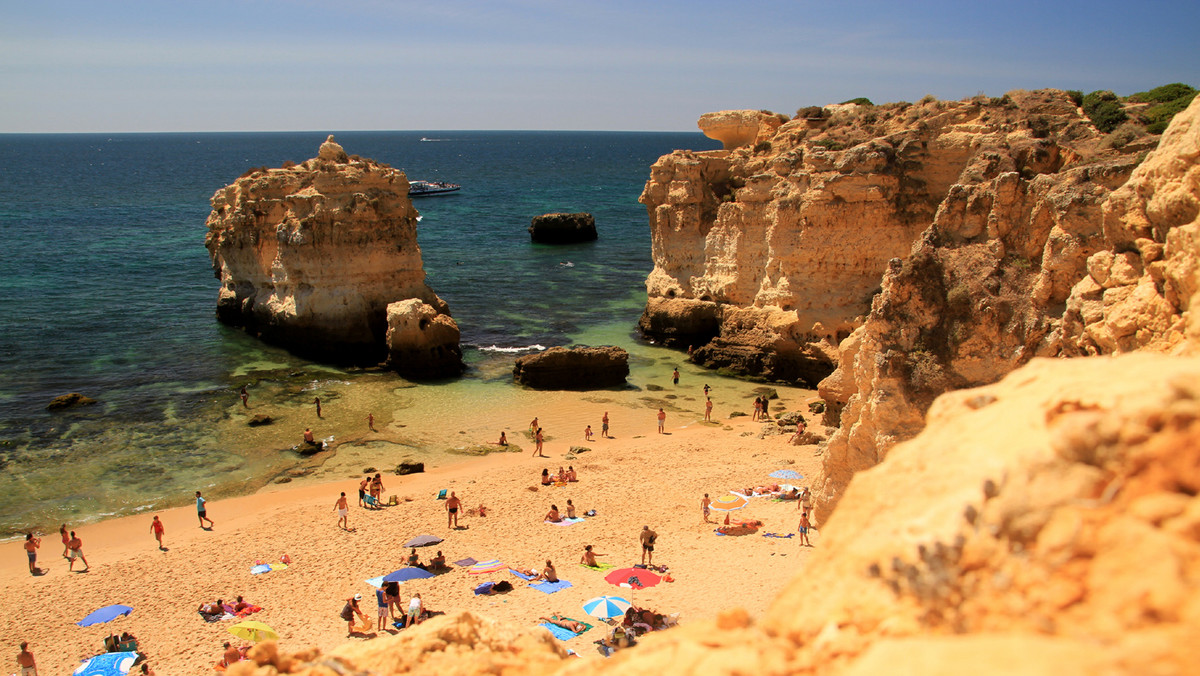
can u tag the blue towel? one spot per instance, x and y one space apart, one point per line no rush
777 535
484 588
560 633
521 575
551 587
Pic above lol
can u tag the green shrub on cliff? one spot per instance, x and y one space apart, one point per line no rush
1104 109
1164 94
860 101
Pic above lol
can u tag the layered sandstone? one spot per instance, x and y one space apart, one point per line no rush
422 342
1015 267
767 257
311 255
1046 524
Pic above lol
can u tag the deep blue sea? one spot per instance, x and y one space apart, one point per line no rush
106 289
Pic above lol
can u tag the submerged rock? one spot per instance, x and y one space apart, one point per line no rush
71 400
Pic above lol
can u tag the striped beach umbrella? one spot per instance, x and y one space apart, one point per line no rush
489 566
606 606
728 503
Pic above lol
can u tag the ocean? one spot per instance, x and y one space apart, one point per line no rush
106 289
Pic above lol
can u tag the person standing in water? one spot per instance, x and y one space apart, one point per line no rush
245 397
317 401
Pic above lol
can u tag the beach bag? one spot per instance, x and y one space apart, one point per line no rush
347 612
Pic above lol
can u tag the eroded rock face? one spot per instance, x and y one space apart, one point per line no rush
422 342
563 228
985 290
737 128
784 244
310 255
576 368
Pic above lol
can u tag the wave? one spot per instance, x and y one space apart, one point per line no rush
496 348
434 139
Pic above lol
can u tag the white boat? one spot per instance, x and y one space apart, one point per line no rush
428 188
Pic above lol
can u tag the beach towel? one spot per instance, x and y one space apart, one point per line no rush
217 617
442 494
777 535
566 522
248 610
551 587
599 566
484 588
521 575
562 633
466 562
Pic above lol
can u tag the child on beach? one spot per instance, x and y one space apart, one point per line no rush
156 527
704 503
62 531
805 524
503 440
587 433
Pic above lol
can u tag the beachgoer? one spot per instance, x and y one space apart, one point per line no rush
62 532
202 511
662 420
553 515
533 425
546 477
240 605
377 487
371 422
76 546
156 527
757 409
350 610
362 490
648 537
570 509
146 670
548 573
708 409
381 608
562 475
231 655
675 377
414 611
587 433
571 474
539 439
414 560
482 510
317 401
31 546
805 524
503 440
343 510
245 397
704 506
589 557
308 437
604 426
452 505
706 389
805 504
25 661
392 589
569 625
438 562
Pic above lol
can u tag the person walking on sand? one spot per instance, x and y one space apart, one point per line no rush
317 401
757 409
245 397
371 422
343 510
62 532
707 409
452 505
587 433
25 661
533 425
539 439
362 490
202 511
706 389
704 507
604 426
675 377
662 420
648 537
31 546
76 545
805 524
156 527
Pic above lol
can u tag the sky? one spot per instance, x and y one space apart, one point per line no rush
300 65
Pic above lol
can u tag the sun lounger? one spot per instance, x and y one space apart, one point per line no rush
551 587
372 501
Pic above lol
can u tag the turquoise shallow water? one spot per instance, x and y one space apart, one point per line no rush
106 289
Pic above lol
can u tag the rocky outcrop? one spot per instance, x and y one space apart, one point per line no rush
737 128
1053 530
563 228
577 368
996 281
422 342
310 255
781 246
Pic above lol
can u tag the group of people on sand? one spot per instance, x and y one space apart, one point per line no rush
564 476
220 608
372 486
537 433
762 408
388 605
554 516
72 549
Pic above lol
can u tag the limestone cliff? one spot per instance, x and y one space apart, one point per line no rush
995 281
767 256
310 255
1046 524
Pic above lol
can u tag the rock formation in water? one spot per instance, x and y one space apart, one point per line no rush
1078 261
576 368
563 228
311 255
767 256
1046 524
422 342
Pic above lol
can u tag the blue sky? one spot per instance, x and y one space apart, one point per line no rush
252 65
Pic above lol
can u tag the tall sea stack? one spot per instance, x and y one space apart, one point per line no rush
310 256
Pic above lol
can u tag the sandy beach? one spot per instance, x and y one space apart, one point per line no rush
637 478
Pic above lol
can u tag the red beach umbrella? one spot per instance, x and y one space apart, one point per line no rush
634 578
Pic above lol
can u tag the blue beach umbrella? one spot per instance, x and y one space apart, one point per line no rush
606 606
105 614
786 474
107 664
402 575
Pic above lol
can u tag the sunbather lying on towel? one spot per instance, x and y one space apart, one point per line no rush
569 625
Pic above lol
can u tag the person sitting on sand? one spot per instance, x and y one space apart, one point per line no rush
553 516
413 559
589 557
548 573
217 608
231 655
571 474
503 440
546 477
438 562
570 509
570 625
562 475
240 605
